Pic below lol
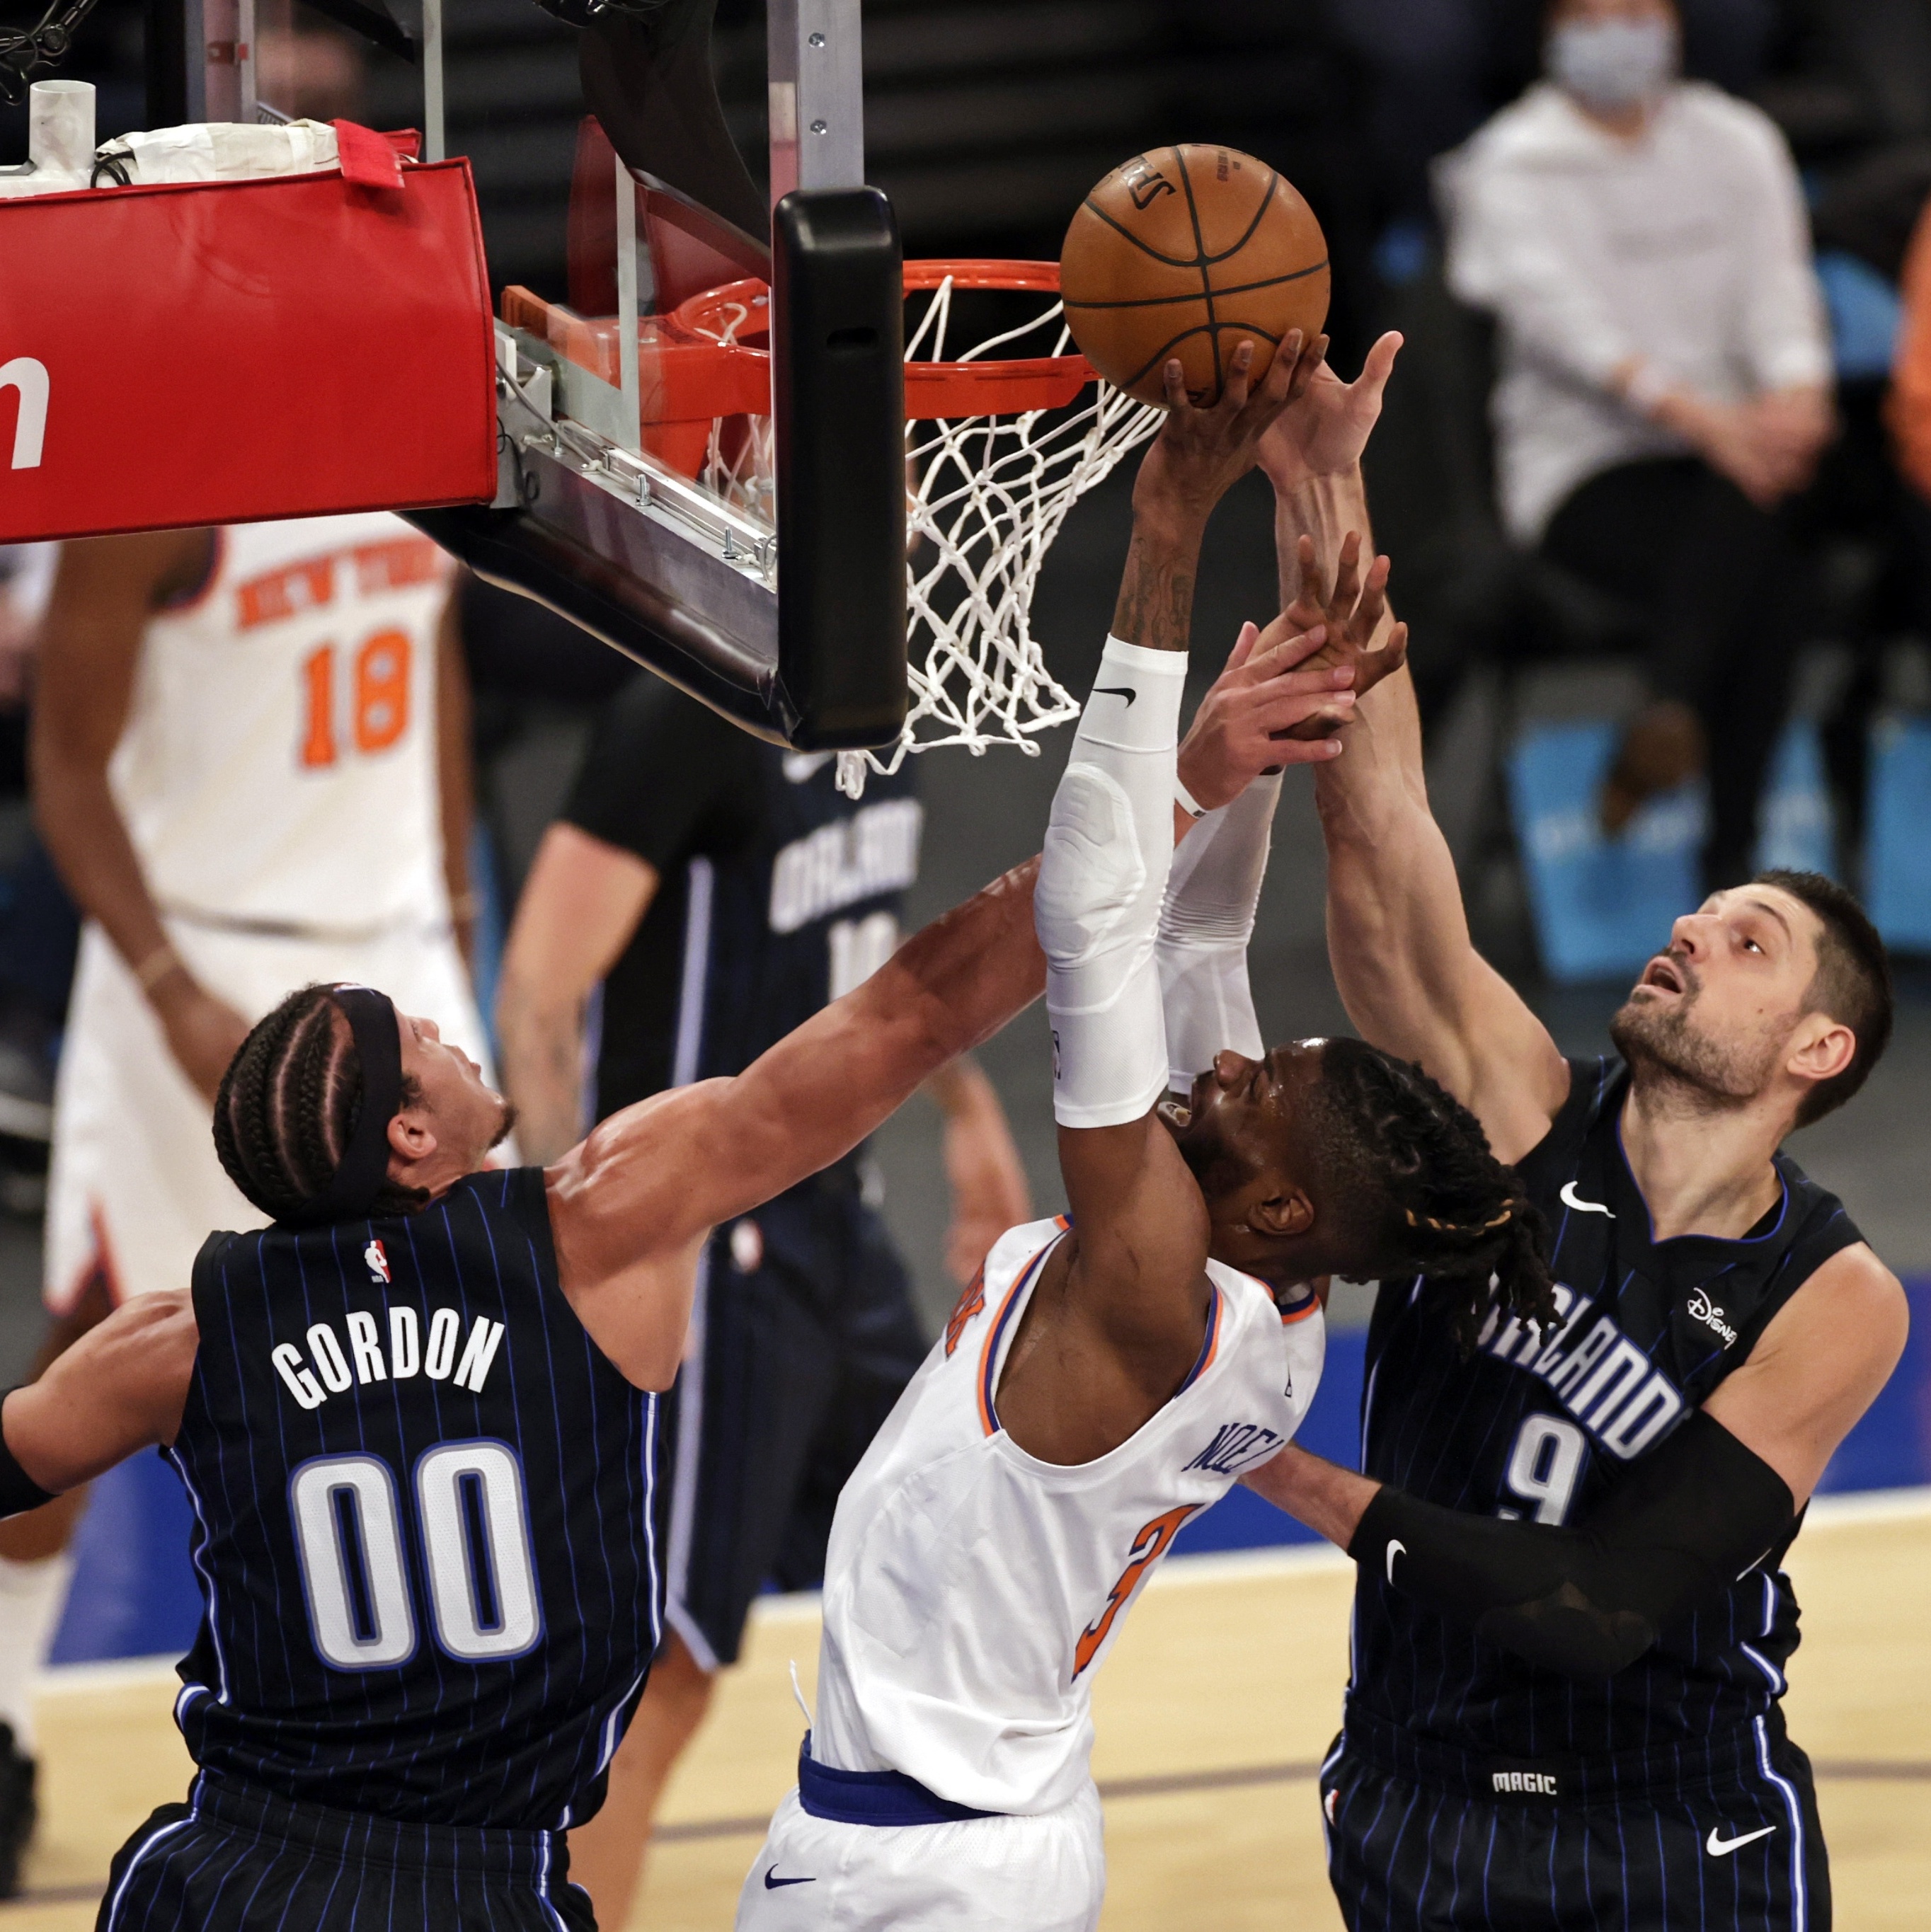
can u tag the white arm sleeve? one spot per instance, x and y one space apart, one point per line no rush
1205 925
1102 876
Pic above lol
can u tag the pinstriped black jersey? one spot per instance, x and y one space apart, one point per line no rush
775 892
1545 1427
422 1498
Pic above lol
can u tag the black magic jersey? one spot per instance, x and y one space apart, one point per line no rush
422 1497
1544 1429
775 893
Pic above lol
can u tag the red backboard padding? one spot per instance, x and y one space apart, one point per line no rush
229 352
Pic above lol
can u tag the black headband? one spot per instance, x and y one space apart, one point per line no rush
364 1162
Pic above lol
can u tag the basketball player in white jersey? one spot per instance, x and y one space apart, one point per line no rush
1108 1378
250 766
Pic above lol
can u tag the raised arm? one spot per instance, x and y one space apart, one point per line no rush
119 1389
1397 936
1113 1334
631 1205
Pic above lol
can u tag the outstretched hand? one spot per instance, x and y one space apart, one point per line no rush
1199 454
1349 611
1326 423
1237 733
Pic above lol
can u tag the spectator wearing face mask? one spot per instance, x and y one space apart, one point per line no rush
1664 380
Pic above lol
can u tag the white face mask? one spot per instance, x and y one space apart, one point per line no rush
1613 65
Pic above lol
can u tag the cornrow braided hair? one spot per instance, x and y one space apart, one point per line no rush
1423 1193
288 1104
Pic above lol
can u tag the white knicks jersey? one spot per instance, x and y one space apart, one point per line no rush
279 762
972 1591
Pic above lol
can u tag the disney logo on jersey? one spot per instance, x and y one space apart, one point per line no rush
1703 1310
328 1369
1237 1446
376 1258
873 851
1599 1375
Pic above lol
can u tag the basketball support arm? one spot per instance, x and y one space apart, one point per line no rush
1586 1600
1206 922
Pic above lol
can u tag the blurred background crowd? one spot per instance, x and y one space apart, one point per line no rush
1655 473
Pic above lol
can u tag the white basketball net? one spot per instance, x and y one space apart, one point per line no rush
985 497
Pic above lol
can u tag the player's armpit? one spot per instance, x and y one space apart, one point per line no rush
1817 1367
118 1389
1683 1524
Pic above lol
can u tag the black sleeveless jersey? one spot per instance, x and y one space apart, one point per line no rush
423 1523
775 892
1546 1428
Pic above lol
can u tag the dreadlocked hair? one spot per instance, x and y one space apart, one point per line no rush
288 1104
1421 1192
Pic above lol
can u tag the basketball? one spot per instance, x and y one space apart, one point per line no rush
1185 251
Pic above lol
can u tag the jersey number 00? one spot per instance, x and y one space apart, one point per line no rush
473 1532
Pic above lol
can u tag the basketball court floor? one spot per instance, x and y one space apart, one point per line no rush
1213 1712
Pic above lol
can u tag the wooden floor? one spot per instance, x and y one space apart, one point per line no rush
1220 1697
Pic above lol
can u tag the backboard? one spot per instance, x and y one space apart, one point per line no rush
739 525
735 521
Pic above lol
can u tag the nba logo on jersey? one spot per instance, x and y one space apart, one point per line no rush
378 1260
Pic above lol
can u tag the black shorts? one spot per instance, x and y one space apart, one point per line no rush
805 1334
1733 1846
236 1859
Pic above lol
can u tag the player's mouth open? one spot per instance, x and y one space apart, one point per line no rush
1663 975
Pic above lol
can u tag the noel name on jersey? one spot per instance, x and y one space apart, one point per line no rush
1600 1375
395 1345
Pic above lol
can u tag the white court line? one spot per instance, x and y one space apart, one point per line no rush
1869 1506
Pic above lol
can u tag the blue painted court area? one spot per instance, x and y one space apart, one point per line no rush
134 1592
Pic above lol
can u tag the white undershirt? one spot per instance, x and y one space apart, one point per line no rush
1687 245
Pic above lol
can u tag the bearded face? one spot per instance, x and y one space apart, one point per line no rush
1665 1027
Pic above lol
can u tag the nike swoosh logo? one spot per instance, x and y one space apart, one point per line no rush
773 1881
1722 1848
1392 1547
1570 1198
1128 691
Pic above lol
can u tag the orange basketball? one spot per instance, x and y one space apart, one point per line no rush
1187 251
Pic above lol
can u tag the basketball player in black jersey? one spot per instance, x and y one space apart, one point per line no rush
416 1423
415 1417
1570 1626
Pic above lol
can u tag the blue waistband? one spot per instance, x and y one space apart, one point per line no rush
872 1797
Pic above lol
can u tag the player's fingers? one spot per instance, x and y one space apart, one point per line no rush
1244 644
1348 574
1378 367
1234 385
1280 717
1374 666
1314 751
1373 604
1287 374
1312 580
1173 384
1282 653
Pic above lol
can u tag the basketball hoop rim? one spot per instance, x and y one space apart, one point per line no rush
952 388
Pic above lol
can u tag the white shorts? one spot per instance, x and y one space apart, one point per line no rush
1042 1873
134 1188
